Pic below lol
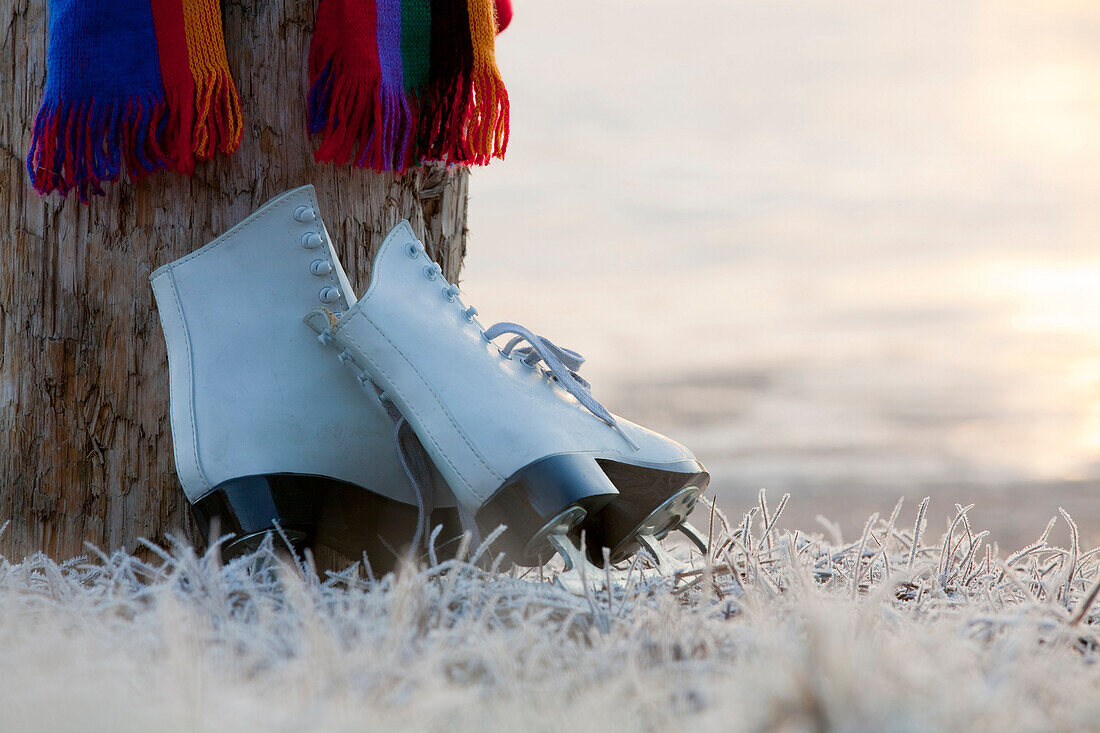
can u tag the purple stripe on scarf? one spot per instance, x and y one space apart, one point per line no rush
397 116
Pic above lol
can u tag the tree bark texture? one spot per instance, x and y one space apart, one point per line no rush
85 442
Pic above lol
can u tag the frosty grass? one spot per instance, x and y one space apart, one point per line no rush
780 630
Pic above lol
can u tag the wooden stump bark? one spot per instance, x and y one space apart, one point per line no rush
85 443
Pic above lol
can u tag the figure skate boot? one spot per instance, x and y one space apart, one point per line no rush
269 431
514 430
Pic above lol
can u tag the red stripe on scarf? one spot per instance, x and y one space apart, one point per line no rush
179 84
345 80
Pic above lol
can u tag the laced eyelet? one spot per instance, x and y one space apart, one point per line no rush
429 272
412 250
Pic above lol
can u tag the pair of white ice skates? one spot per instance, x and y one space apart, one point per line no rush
363 424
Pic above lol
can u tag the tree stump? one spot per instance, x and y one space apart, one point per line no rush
85 442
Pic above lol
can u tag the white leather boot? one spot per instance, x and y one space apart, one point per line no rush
514 430
266 428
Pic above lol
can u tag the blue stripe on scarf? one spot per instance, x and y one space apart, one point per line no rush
104 101
106 49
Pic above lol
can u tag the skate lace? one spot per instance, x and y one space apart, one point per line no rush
563 365
415 462
417 466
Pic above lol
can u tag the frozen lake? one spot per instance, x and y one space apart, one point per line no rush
842 249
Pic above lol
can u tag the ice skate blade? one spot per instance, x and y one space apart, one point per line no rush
663 560
580 576
668 516
645 494
539 495
562 524
695 537
667 564
286 540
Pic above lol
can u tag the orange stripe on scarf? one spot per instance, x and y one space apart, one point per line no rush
487 127
217 121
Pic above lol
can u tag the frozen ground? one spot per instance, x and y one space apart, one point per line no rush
791 631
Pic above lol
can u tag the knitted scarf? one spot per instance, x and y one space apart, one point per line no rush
137 86
134 85
395 82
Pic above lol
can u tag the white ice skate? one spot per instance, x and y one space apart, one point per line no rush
267 428
514 430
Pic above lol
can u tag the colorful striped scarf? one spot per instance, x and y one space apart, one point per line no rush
134 85
137 86
395 82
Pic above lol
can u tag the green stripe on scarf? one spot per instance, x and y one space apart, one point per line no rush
416 29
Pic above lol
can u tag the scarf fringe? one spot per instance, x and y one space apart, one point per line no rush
487 127
175 132
469 123
77 147
218 125
392 151
343 111
362 121
188 111
203 120
443 132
